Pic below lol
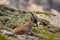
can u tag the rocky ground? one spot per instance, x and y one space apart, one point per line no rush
48 28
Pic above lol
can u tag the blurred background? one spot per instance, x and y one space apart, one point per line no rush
34 5
47 13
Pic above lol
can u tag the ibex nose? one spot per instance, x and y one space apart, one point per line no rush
36 25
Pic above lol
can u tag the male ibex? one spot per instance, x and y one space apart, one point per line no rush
25 28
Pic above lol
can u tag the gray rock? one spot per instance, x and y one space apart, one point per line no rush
28 37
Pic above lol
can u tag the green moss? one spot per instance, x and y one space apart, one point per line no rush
2 37
45 13
46 34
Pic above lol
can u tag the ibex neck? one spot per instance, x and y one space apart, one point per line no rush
29 24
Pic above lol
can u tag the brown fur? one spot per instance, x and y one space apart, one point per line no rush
24 29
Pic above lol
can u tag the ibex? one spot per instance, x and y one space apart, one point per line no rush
25 28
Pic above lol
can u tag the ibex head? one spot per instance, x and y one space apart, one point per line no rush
34 19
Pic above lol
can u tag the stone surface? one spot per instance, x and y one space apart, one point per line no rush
28 37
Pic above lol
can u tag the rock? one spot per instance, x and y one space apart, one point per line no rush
21 37
28 37
8 33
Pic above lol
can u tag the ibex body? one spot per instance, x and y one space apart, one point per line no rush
26 28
